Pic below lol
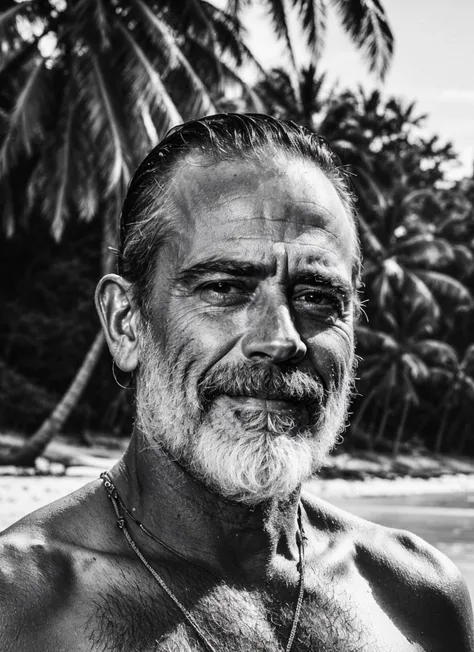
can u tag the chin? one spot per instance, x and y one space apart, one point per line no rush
243 453
255 456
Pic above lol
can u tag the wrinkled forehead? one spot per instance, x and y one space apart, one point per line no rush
287 200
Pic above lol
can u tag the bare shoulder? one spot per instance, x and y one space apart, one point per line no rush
414 582
40 557
35 575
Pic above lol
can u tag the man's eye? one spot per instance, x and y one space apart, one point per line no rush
222 293
321 303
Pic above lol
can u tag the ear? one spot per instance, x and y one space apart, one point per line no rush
120 318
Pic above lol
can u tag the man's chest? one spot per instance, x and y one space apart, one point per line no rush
332 618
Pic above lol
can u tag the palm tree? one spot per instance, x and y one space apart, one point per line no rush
86 89
397 360
334 116
402 255
365 22
456 381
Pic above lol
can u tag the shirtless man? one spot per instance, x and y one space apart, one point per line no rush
234 312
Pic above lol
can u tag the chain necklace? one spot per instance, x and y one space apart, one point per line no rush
120 509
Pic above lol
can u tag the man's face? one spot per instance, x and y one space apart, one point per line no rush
246 360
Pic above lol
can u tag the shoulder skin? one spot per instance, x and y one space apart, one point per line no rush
418 587
41 558
35 578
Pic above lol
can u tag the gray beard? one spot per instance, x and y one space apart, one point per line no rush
245 455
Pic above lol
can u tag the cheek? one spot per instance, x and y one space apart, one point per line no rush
200 336
332 354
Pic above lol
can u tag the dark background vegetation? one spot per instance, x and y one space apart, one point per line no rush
74 124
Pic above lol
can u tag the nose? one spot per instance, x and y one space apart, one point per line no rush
273 336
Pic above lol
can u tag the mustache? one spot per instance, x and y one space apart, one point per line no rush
262 381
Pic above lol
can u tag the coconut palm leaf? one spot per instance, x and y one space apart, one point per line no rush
464 258
467 362
154 85
202 101
441 378
278 13
105 121
371 339
446 288
229 76
425 250
313 15
229 34
436 352
8 212
64 168
24 123
366 23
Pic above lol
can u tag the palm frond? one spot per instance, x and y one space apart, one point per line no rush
371 245
278 14
464 258
313 17
446 288
228 32
440 378
421 308
25 120
425 251
366 23
202 101
156 87
467 385
236 6
276 90
467 363
106 120
103 23
63 168
7 210
408 199
435 352
417 369
373 340
229 76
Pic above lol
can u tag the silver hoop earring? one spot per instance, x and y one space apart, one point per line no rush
115 376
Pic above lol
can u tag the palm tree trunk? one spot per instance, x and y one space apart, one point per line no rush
383 420
362 409
467 430
35 445
401 428
442 428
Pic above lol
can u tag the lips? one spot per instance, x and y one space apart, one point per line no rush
281 389
240 405
297 408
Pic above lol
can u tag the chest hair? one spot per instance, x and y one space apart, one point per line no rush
134 616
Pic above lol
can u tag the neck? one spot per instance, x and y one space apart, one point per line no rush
225 538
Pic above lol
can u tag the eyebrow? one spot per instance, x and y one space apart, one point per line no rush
223 266
247 269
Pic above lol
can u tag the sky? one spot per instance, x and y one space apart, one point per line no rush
433 63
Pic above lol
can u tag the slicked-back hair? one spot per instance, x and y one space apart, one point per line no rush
149 216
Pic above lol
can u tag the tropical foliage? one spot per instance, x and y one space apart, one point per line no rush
417 236
87 87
